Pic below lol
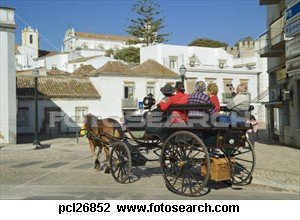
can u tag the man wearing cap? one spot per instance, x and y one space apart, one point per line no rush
179 98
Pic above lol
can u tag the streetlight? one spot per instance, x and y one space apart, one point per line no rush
182 71
36 141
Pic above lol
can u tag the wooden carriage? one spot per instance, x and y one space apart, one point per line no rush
187 156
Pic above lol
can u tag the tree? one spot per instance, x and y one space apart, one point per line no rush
205 42
109 52
248 38
128 54
148 24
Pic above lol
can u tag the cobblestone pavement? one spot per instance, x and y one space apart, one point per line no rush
64 170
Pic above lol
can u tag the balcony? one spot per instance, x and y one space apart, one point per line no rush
268 2
129 103
272 43
277 34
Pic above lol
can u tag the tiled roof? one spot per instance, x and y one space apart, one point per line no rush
57 87
29 72
112 68
104 36
84 70
46 53
55 72
83 59
149 68
154 69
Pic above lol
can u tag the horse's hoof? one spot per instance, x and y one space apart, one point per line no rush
97 167
107 170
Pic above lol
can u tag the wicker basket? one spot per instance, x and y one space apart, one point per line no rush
220 169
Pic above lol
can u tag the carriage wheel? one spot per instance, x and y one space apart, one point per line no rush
183 156
120 162
242 162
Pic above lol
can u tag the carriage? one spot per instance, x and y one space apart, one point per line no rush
186 153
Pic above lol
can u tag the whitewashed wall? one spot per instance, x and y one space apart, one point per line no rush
207 56
111 90
59 61
67 106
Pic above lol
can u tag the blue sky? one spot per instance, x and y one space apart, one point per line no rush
224 20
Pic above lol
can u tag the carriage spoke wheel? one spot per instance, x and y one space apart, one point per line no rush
120 162
242 162
182 157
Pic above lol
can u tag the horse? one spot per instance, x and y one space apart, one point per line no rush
101 133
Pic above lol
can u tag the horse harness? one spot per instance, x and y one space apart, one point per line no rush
91 136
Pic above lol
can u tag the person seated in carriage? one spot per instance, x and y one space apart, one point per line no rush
179 97
199 97
168 90
212 92
239 106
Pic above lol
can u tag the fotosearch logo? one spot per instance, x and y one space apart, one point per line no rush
152 119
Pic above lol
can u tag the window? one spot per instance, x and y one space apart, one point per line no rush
30 39
228 87
193 60
100 47
172 83
190 84
150 89
85 46
79 113
173 62
129 90
23 116
210 80
222 63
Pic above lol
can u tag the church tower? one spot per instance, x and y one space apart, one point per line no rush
30 38
8 100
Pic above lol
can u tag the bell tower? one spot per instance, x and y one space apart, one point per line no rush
8 99
30 38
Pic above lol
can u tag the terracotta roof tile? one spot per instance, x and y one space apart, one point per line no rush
55 72
83 59
57 87
112 68
84 70
46 53
104 36
154 69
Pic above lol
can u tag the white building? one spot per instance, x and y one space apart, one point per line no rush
91 44
215 65
7 76
62 102
123 88
281 48
63 99
79 49
29 50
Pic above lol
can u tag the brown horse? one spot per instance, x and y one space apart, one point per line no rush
101 134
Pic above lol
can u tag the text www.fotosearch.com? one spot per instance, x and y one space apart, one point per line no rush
152 207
